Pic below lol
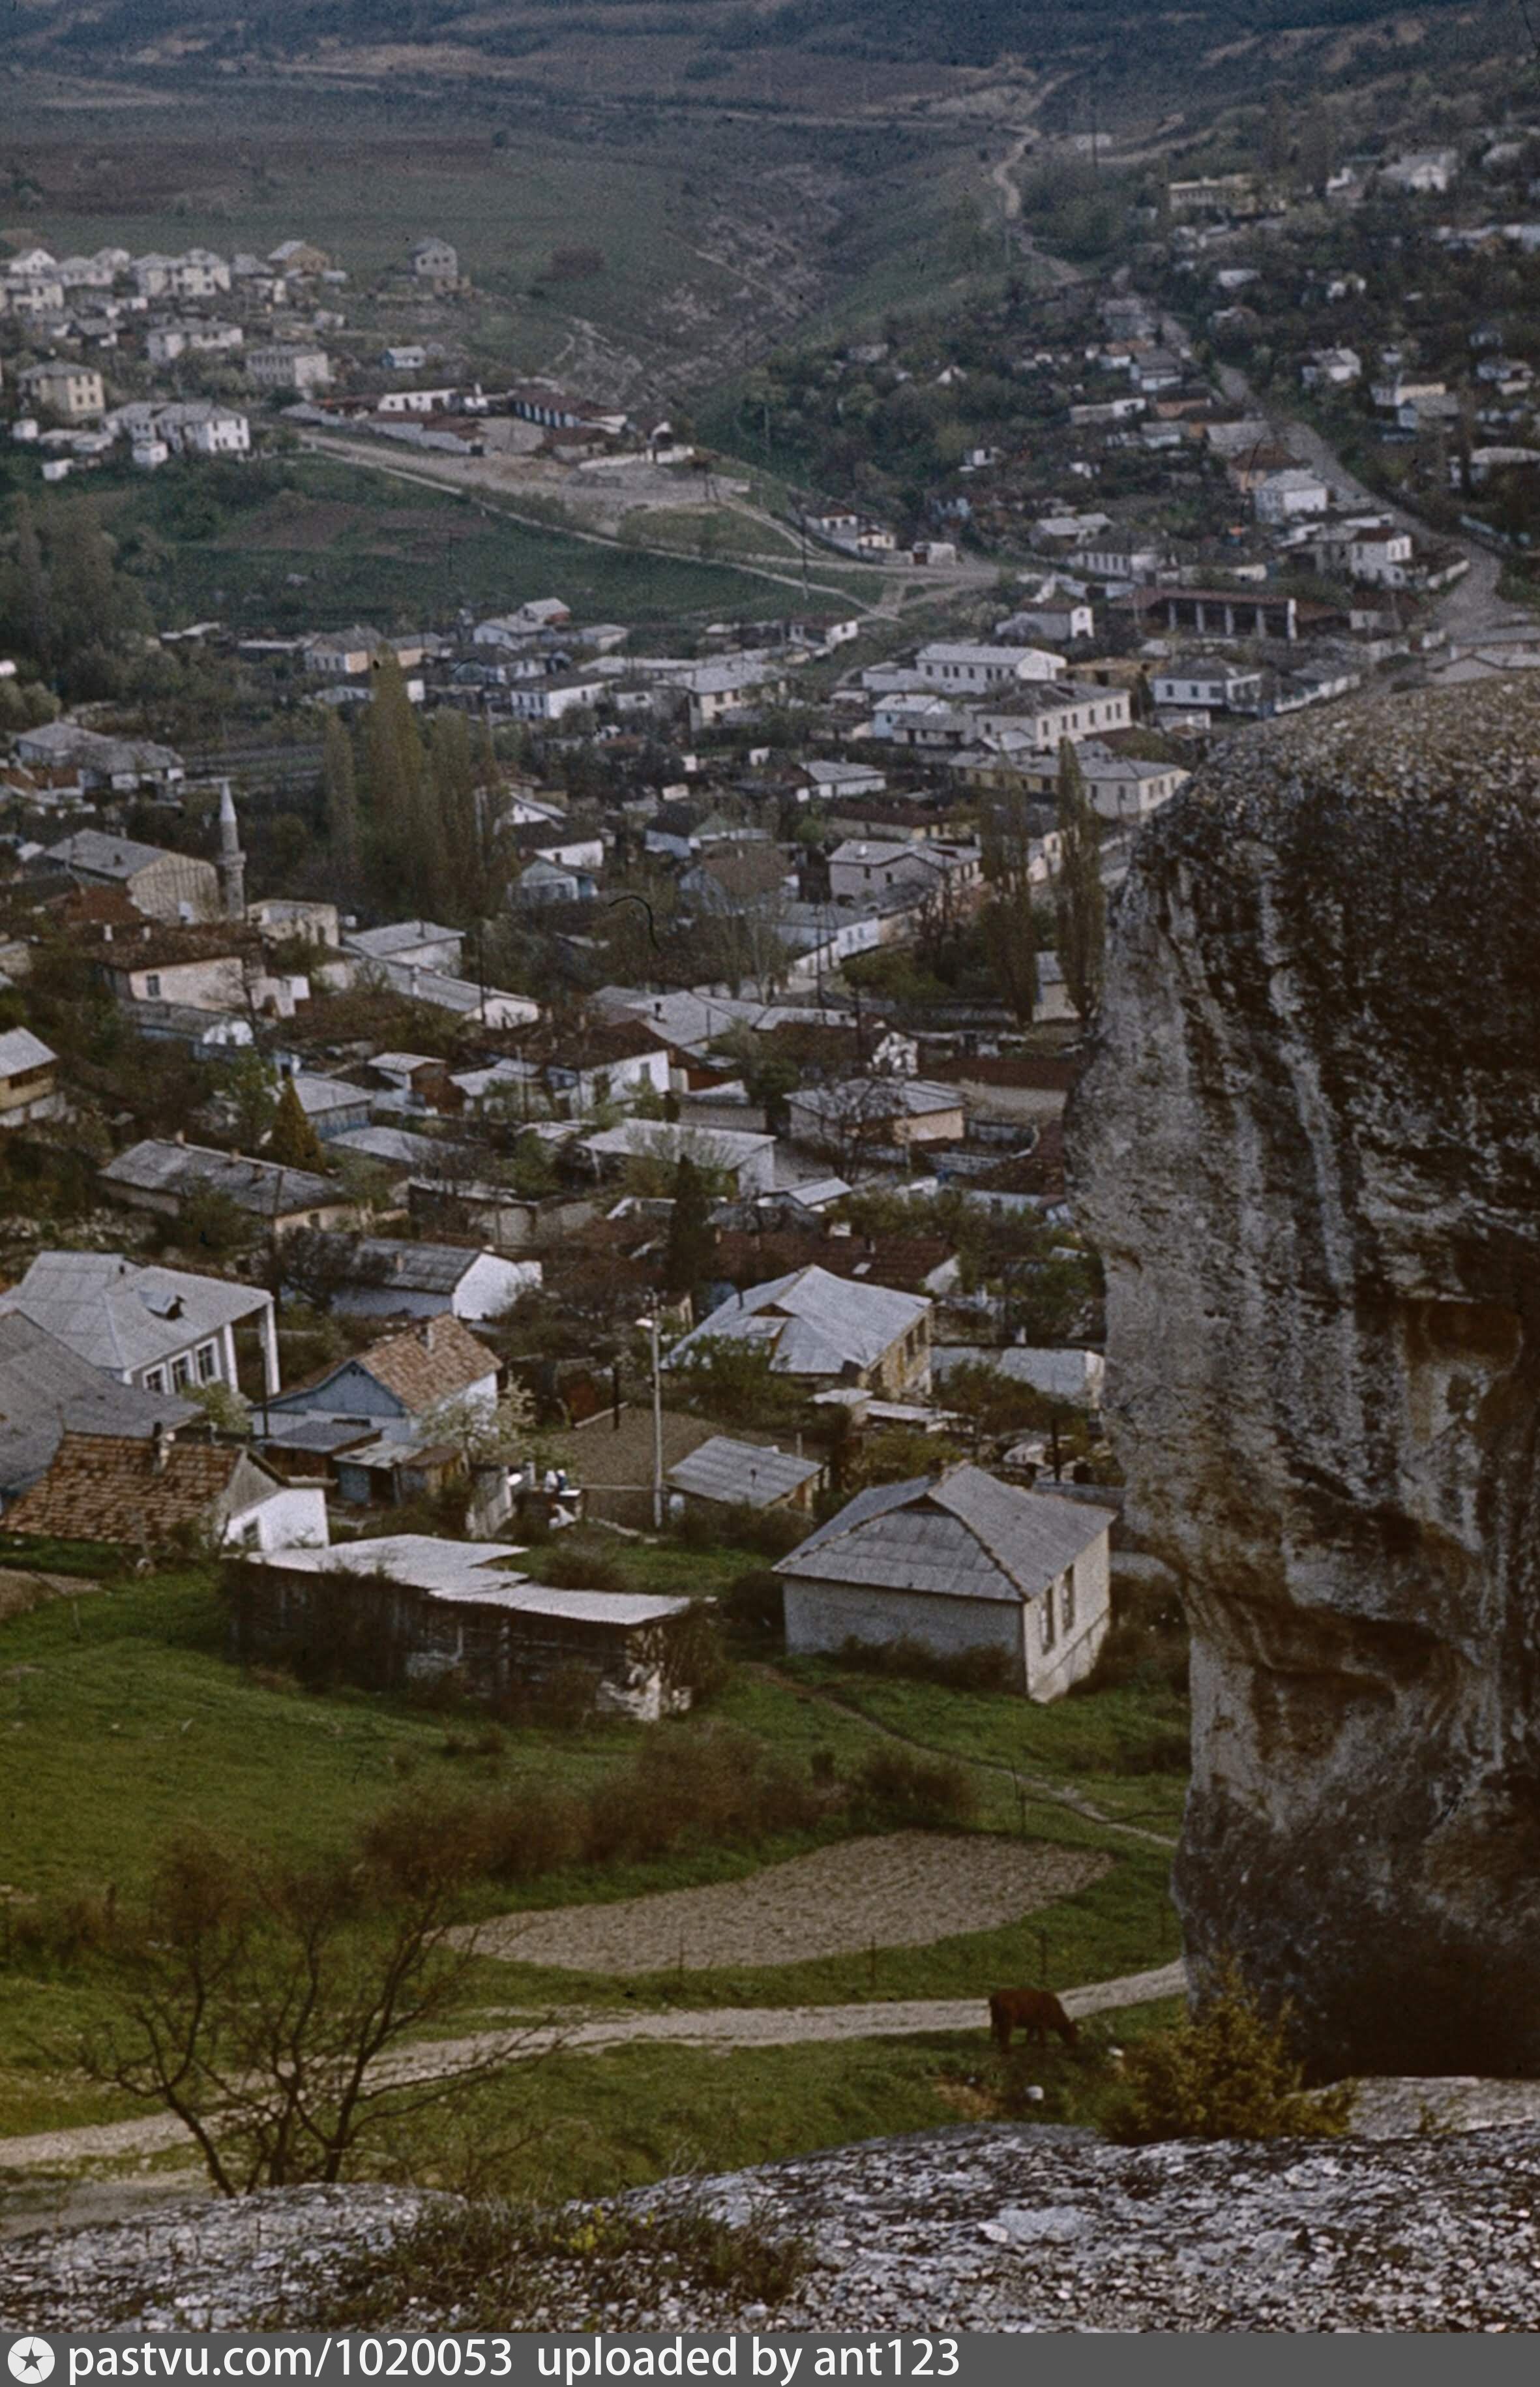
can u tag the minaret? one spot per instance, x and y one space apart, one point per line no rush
231 862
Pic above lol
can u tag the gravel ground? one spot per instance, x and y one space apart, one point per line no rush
995 2228
903 1890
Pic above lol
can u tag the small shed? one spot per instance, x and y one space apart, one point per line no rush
727 1474
407 1609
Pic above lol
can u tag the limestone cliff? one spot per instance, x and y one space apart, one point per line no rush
1308 1147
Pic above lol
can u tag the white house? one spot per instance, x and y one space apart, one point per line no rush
1063 621
1331 368
959 667
162 1329
1283 497
958 1563
203 429
287 366
1214 687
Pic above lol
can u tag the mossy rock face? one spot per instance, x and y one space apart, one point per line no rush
1309 1149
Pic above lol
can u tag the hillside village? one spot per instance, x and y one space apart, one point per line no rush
533 1234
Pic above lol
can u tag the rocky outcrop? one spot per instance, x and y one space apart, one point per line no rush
975 2228
1308 1147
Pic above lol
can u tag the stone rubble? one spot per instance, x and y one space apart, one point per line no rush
991 2228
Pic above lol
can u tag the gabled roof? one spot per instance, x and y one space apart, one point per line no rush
109 1487
46 1389
259 1186
115 1315
962 1535
92 849
811 1323
20 1049
404 1267
741 1474
435 1360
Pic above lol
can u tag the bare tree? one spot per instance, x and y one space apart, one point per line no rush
269 2008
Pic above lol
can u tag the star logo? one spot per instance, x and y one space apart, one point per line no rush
30 2360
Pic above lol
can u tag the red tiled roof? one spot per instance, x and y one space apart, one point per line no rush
108 1487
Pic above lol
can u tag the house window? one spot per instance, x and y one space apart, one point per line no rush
208 1362
1067 1601
152 985
181 1371
154 1380
1047 1622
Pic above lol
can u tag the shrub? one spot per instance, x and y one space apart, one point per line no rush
982 1668
1227 2072
1147 1641
496 2267
755 1604
897 1787
697 1662
570 1567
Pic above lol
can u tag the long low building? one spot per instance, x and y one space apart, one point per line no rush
407 1609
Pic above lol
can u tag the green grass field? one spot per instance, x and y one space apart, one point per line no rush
124 1725
339 543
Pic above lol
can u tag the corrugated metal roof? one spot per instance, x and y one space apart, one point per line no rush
963 1535
740 1474
819 1324
472 1571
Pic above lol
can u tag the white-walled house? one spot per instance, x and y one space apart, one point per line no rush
959 667
1283 497
162 1329
1217 686
959 1562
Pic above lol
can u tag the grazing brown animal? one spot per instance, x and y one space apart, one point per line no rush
1033 2012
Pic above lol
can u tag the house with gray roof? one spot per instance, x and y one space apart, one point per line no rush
722 1473
378 1276
826 1330
164 1330
154 1175
959 1562
165 886
47 1390
28 1079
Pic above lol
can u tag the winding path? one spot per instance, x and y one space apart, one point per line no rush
713 2027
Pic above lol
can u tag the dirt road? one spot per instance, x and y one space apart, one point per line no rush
1472 609
716 2027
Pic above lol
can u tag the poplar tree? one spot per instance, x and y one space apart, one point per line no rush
1082 898
394 773
1007 924
340 785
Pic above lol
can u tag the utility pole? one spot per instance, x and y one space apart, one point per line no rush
650 1327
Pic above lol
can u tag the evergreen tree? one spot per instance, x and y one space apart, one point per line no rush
294 1143
340 784
1081 898
687 1262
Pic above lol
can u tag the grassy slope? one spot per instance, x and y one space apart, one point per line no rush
350 544
123 1723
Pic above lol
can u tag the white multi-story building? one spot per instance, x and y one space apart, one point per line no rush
288 366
